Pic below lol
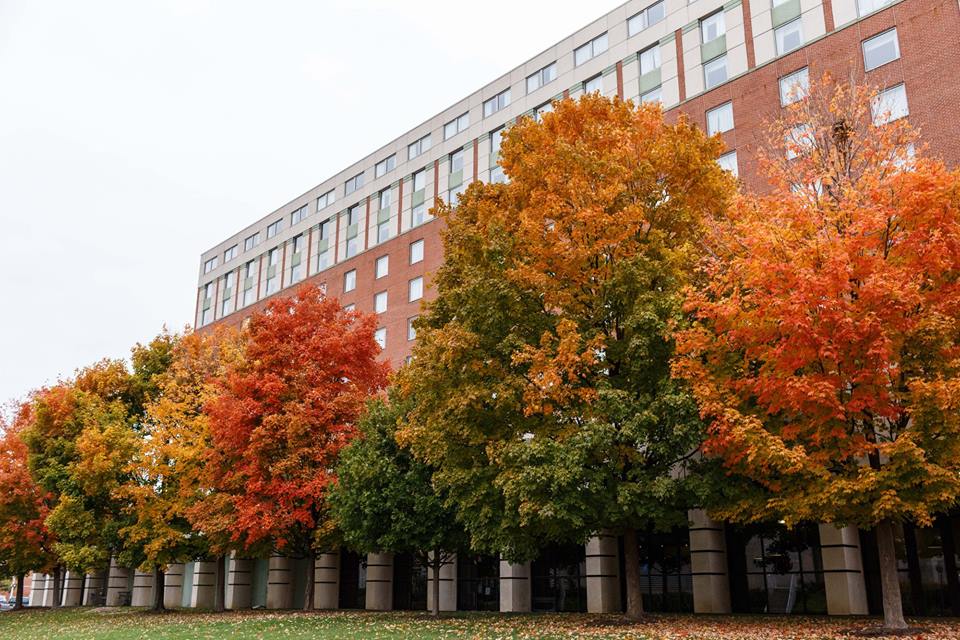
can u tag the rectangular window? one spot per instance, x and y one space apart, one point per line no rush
206 316
869 6
546 107
251 242
380 335
496 103
590 50
720 119
456 161
383 231
380 302
650 59
298 215
418 215
420 146
296 264
384 199
411 330
326 200
890 104
210 265
728 162
543 76
385 166
354 214
350 281
419 180
416 252
353 183
229 282
230 254
646 18
594 84
273 275
415 289
456 125
274 228
712 27
249 284
880 49
382 267
789 37
654 95
794 86
715 72
349 308
798 140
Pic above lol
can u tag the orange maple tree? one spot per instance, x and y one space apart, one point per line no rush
826 358
279 418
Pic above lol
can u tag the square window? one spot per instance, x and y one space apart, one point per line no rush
350 307
299 215
715 72
712 27
880 49
650 59
382 266
541 77
325 200
720 119
415 289
789 36
546 107
646 18
418 215
411 330
496 103
353 183
385 166
380 302
590 50
654 95
230 254
456 125
210 265
890 104
274 228
794 87
350 281
728 162
416 252
380 335
594 84
418 147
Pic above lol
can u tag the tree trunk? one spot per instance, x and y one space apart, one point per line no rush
889 580
220 585
631 558
437 563
311 581
18 601
159 579
57 587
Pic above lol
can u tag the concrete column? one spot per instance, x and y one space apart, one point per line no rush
708 561
48 592
142 589
515 587
204 584
326 578
173 586
603 574
279 589
118 586
379 581
448 585
238 583
843 571
38 589
93 590
72 591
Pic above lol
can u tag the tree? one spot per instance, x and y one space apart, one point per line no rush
825 356
165 475
544 394
279 419
25 542
384 500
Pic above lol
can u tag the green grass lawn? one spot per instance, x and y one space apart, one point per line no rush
116 624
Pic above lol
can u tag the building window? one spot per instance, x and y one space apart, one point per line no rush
869 6
415 289
229 283
382 267
326 200
789 36
720 119
650 59
646 18
416 252
350 308
383 231
794 86
728 162
380 302
456 161
712 27
210 265
715 72
880 49
384 199
230 254
496 103
594 84
274 228
496 172
350 281
456 125
411 330
890 104
543 76
251 242
590 50
546 107
380 335
249 284
654 95
296 255
298 215
353 183
325 247
206 315
273 273
798 140
354 215
419 180
420 146
385 166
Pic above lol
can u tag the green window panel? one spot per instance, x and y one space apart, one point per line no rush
271 271
295 260
714 48
650 80
456 179
785 12
420 195
383 216
248 283
353 230
206 303
323 245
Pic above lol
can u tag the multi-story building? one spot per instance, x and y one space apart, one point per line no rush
367 236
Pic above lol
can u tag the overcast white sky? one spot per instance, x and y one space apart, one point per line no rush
136 134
